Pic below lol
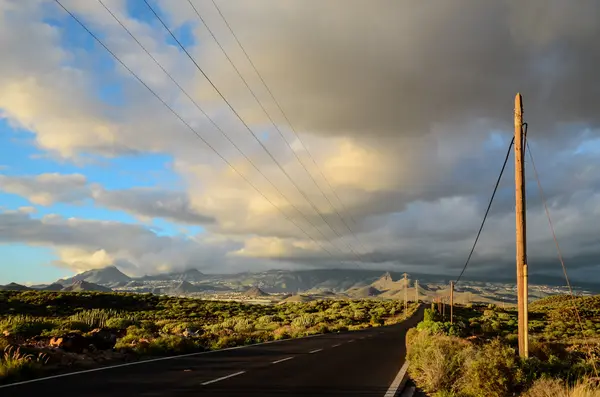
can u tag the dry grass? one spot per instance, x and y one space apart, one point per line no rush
437 361
555 388
14 362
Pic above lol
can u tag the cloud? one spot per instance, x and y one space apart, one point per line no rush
83 244
152 203
407 109
46 189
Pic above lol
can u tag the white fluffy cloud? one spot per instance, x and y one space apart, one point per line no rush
46 189
396 101
148 203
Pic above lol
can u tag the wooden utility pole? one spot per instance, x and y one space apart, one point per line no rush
443 308
520 228
451 302
405 294
417 291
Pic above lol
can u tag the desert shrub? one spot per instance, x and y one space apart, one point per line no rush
304 321
71 325
119 323
489 371
168 344
437 361
15 364
244 325
95 318
548 387
25 326
429 315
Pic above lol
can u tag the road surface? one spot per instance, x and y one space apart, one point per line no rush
361 363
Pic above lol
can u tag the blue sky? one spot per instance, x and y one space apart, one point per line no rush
95 171
20 156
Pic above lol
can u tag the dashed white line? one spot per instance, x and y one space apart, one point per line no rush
223 377
315 351
282 360
336 345
151 361
351 340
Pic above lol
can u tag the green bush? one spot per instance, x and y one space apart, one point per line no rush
429 315
119 323
549 387
15 365
489 372
26 326
437 361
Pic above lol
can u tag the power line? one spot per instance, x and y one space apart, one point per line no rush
267 113
213 122
486 211
560 256
289 145
277 103
188 125
247 126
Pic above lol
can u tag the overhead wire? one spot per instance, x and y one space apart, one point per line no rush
486 212
253 93
288 121
278 104
559 252
247 127
211 147
214 124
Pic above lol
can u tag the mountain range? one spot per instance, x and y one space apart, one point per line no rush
350 282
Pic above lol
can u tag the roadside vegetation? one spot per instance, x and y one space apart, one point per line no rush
476 356
52 331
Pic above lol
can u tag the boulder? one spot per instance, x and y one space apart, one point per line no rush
188 333
71 342
102 339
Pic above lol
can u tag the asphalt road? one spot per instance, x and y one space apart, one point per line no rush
361 363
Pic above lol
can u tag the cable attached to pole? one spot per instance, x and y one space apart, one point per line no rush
486 211
561 259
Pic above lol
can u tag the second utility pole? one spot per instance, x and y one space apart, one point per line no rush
451 302
405 294
520 219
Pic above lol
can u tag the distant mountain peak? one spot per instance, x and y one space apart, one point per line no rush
192 271
386 277
255 292
14 287
105 276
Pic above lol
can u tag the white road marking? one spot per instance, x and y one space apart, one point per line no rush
398 381
351 340
315 351
150 361
336 345
282 360
222 377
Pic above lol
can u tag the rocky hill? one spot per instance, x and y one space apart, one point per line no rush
107 276
255 292
14 287
82 285
52 287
